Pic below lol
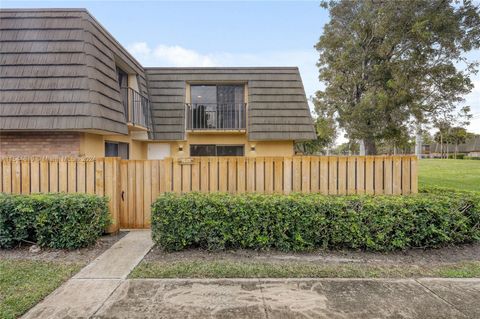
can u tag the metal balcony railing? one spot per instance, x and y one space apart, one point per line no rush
213 116
137 108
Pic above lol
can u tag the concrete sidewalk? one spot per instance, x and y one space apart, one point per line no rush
294 298
84 294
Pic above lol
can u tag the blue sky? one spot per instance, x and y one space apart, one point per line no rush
250 33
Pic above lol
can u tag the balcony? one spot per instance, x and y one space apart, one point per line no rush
216 117
137 109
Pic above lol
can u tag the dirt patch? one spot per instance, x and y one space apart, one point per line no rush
421 257
81 256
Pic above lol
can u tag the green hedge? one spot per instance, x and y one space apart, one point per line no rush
303 222
52 220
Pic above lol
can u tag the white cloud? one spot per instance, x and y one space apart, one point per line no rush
177 56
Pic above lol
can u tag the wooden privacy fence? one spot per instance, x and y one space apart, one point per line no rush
132 185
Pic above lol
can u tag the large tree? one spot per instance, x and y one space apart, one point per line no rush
390 65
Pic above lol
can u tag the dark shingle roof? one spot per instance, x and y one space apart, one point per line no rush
57 71
277 106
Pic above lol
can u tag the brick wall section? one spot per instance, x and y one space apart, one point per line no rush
40 144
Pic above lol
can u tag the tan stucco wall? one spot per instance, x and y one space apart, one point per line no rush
262 148
94 145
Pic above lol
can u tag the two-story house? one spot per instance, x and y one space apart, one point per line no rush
68 88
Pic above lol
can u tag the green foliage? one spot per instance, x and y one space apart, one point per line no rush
325 128
471 157
457 156
52 220
302 222
386 63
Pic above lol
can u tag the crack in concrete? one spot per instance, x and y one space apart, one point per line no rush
440 298
263 298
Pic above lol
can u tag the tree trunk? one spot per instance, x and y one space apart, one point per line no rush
370 146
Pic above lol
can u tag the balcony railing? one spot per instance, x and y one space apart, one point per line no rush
213 116
137 108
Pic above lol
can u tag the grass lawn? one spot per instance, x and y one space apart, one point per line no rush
25 283
450 173
232 269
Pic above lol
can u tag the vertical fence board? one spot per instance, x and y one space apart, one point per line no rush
25 176
124 211
204 175
222 174
297 174
80 176
147 193
250 175
139 212
177 176
241 164
269 175
378 185
53 186
166 172
351 181
72 176
16 176
155 180
397 175
342 175
186 177
369 180
332 175
214 174
314 174
405 175
232 175
90 177
287 175
305 174
360 175
387 175
278 175
324 175
44 176
99 177
7 175
35 176
131 196
260 174
195 175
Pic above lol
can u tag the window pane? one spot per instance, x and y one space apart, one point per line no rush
123 150
230 105
111 149
203 94
202 150
230 150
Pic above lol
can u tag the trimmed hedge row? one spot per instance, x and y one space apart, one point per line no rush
301 222
64 221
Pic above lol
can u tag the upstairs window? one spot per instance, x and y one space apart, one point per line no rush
217 107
